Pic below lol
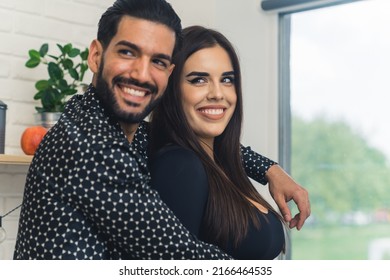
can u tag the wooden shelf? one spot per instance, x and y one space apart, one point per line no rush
15 159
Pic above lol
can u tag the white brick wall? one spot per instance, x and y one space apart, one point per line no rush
27 24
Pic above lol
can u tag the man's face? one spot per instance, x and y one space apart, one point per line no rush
132 73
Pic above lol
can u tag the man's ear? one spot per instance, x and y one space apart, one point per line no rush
95 56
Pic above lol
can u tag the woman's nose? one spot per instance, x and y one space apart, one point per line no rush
215 92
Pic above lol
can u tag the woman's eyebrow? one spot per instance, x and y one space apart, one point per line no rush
195 73
229 73
205 74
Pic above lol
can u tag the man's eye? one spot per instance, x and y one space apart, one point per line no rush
126 52
160 63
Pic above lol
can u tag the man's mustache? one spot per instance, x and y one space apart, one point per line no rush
128 81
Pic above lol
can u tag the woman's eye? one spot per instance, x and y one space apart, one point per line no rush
197 81
228 80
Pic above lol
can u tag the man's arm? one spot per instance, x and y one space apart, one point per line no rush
121 204
281 186
284 189
256 165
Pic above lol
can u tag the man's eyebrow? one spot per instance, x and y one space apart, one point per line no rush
138 49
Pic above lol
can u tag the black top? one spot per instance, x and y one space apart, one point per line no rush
181 180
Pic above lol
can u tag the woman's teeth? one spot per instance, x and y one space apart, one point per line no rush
212 111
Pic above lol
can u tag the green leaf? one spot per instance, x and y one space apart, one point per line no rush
70 91
34 54
67 63
55 71
49 98
58 98
83 67
54 57
63 84
74 52
73 73
38 95
52 82
84 54
67 48
61 48
42 85
43 50
32 62
39 109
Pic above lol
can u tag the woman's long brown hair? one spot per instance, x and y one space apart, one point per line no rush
228 210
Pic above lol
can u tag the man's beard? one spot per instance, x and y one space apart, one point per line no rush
107 96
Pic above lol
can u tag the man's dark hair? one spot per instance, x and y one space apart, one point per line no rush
152 10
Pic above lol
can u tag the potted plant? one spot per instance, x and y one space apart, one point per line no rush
65 75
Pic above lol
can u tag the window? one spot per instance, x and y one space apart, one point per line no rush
336 89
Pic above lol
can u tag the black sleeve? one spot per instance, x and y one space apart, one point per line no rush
256 165
179 177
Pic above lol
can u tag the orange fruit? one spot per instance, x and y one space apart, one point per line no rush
31 138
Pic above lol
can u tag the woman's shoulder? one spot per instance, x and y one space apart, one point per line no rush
176 152
178 159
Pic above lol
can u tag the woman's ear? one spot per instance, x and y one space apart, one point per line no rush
95 56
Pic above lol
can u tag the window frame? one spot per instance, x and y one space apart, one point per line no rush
284 80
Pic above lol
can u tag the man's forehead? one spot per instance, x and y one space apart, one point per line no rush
143 32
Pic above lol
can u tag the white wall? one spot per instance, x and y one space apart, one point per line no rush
26 24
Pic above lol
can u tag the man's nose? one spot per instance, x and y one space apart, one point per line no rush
141 70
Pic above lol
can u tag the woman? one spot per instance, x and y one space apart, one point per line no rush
196 162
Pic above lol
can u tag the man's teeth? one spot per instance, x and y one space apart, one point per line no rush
212 111
134 92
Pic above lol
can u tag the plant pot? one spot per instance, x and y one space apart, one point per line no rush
47 119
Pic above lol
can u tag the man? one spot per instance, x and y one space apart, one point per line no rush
87 192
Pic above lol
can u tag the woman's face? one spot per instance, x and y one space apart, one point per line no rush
208 92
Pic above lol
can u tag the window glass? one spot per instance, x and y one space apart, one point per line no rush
340 137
